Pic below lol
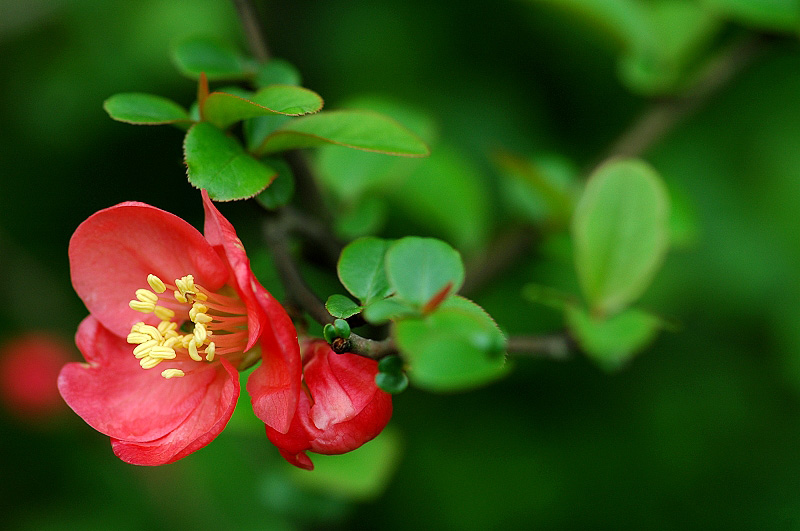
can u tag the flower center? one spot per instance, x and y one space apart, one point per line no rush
196 325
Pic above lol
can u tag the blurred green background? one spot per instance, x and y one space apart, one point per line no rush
700 431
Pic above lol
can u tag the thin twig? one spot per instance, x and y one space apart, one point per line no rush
661 118
554 346
252 28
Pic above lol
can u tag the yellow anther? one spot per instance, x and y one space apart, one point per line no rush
137 326
200 333
197 308
145 295
140 306
170 341
165 314
172 373
162 353
135 338
144 349
149 362
193 351
166 326
210 349
156 283
203 318
199 295
185 283
180 297
185 340
151 331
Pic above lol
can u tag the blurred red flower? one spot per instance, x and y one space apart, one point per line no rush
29 367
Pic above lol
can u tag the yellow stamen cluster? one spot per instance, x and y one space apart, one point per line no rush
156 344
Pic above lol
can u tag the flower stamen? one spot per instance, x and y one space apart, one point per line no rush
180 340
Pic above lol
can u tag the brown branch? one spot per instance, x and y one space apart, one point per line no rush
554 346
252 28
661 118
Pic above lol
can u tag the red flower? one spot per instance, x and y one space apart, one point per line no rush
341 407
161 374
29 368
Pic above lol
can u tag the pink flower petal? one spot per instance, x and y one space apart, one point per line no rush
220 233
196 431
275 385
113 251
115 396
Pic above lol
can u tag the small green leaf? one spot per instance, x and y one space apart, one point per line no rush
218 61
219 164
144 109
277 72
341 306
356 129
280 192
361 269
362 474
621 232
223 109
457 347
614 341
384 310
419 268
393 383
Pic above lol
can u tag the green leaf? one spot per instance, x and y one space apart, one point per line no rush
620 229
218 61
614 341
384 310
767 14
277 72
222 109
144 109
363 218
362 474
361 269
449 178
456 347
419 268
219 164
356 129
341 306
280 192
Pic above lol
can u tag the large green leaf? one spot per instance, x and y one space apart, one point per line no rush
144 109
614 341
456 347
420 268
223 109
219 164
449 178
620 230
361 269
356 129
218 60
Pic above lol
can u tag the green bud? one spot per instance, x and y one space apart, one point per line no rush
391 383
329 333
391 365
342 328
